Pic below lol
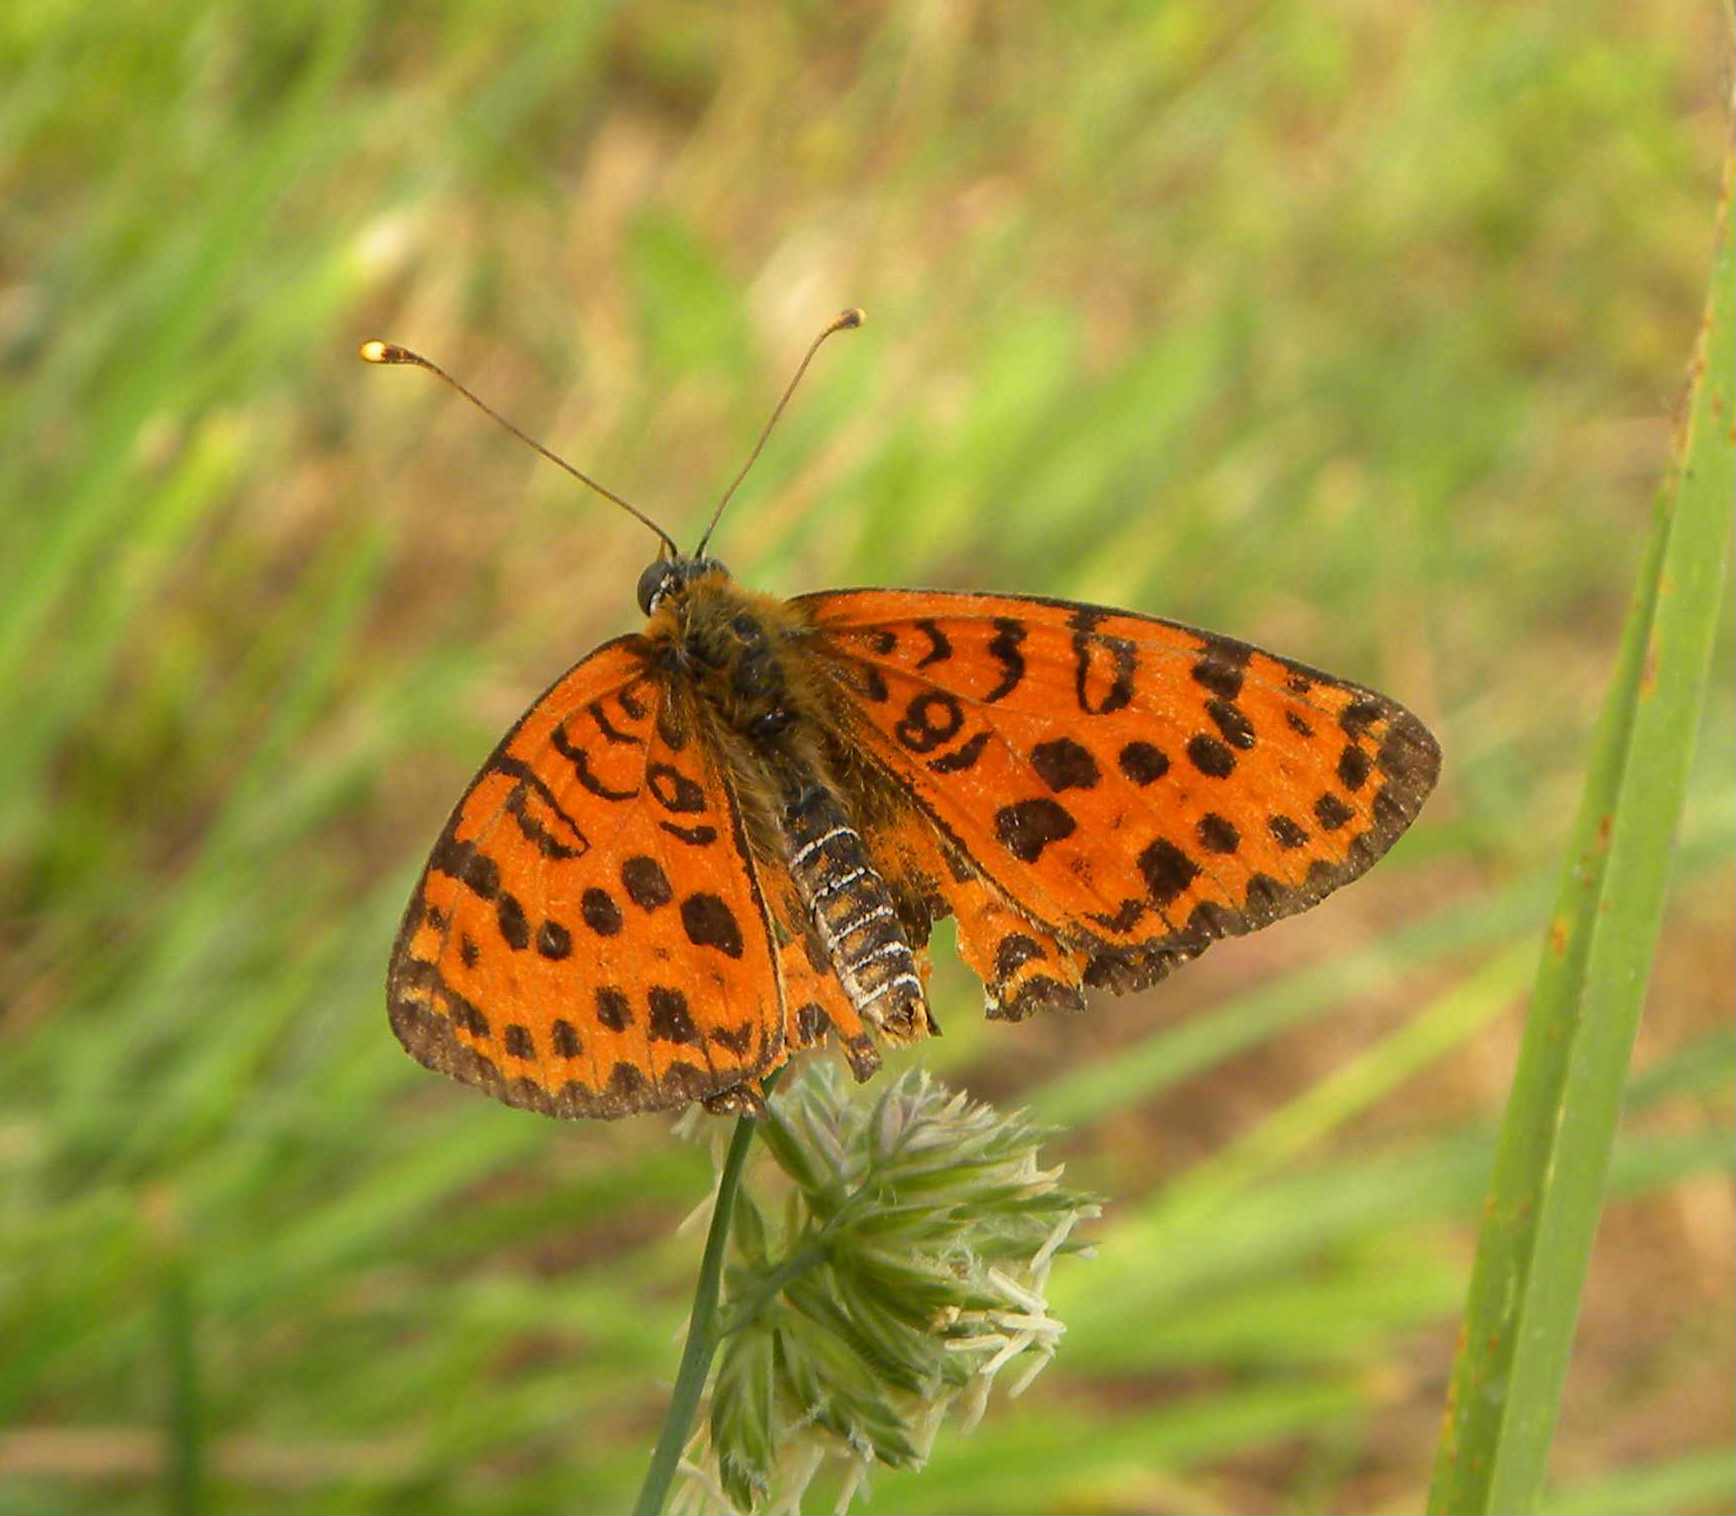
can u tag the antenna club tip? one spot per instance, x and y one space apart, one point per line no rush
376 351
850 319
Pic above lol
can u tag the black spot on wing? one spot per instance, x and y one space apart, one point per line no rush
1210 756
646 884
1353 767
670 1019
1289 835
708 922
1063 764
1229 719
1220 669
600 913
509 916
566 1039
1331 812
614 1010
1167 871
476 871
1143 763
1218 834
1026 827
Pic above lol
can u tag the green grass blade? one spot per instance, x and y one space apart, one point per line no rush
1553 1157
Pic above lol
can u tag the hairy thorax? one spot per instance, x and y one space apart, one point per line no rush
775 715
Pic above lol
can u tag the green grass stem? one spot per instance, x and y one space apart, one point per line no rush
1553 1157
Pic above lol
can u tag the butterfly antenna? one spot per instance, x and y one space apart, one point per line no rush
390 352
844 321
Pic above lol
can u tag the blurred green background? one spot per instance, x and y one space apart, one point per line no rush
1355 330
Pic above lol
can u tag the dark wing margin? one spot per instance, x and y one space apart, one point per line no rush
589 937
1137 787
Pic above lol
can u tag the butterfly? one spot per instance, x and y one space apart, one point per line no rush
725 837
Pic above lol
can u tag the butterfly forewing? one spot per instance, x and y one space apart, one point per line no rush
1135 786
589 937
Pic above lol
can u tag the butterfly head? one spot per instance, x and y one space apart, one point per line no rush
670 576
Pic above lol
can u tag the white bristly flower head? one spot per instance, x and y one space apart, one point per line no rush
908 1273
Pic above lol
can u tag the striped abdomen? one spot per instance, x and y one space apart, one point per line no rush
853 915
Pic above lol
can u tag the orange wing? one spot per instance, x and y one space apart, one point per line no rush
589 937
1133 787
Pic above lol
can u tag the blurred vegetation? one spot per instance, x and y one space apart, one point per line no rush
1355 331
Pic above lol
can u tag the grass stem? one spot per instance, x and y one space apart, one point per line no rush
702 1329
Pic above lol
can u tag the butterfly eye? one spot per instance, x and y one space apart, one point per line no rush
656 582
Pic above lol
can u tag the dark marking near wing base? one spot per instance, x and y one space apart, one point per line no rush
1026 827
610 732
693 836
963 758
674 790
581 763
920 731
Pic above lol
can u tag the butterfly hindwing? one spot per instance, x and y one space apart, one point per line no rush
589 937
1135 787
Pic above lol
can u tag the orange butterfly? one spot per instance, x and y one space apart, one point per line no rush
725 837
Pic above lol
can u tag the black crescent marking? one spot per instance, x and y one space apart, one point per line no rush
582 767
1004 646
693 836
964 758
534 831
939 648
608 729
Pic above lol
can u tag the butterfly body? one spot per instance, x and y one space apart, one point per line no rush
725 838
